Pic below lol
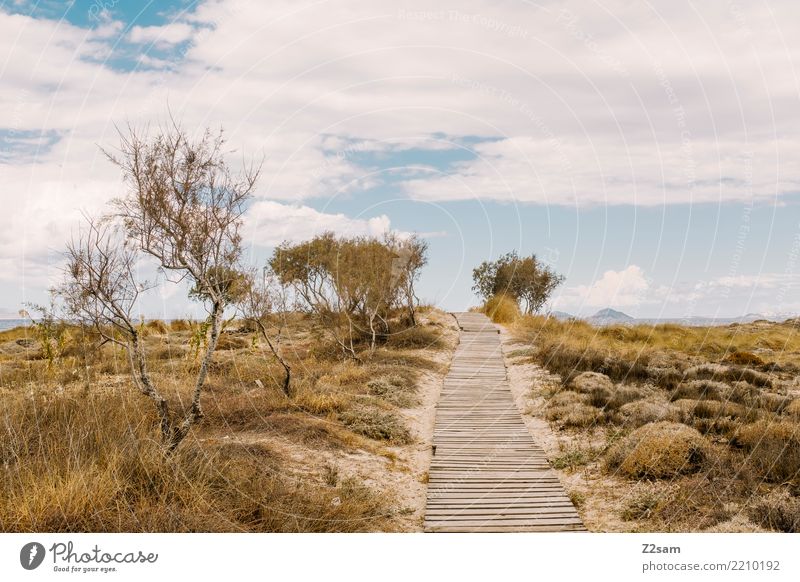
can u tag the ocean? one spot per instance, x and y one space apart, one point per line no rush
12 323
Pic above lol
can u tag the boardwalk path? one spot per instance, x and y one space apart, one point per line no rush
487 473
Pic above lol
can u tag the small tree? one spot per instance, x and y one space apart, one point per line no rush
100 288
256 305
350 284
523 279
184 207
533 283
410 256
494 277
309 267
49 328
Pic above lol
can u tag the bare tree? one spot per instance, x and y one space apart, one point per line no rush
184 207
256 305
100 288
411 256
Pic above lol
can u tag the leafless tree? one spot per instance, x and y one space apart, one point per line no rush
100 289
184 207
256 305
410 257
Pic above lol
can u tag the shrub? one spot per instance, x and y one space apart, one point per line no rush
376 424
597 386
778 511
571 410
179 325
416 337
793 408
742 392
525 279
395 389
321 403
577 416
644 504
773 449
568 360
575 456
227 341
624 395
716 409
643 412
743 359
155 326
729 374
773 402
588 382
666 377
659 451
699 390
501 309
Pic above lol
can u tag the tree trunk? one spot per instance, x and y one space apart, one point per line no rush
372 332
412 314
287 380
142 380
195 413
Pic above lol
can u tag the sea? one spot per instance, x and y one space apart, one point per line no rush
12 323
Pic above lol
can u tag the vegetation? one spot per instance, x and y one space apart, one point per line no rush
81 451
697 428
501 308
353 285
231 401
526 280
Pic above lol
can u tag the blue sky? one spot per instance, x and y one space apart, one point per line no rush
649 153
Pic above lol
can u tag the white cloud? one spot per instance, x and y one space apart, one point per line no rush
622 103
164 35
633 291
610 172
618 289
270 223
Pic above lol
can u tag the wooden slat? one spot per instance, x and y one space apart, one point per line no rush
487 473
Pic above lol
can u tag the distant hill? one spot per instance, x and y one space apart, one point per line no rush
610 316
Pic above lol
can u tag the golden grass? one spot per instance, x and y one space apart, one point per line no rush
660 450
773 449
92 463
714 414
735 343
501 308
79 446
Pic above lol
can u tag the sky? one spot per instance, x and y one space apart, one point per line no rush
647 151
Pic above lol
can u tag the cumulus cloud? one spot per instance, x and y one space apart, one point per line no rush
270 223
567 103
626 288
164 35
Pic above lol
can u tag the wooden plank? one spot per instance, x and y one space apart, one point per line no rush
487 473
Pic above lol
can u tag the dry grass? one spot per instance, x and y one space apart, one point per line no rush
79 446
501 309
779 511
702 424
92 463
773 449
659 451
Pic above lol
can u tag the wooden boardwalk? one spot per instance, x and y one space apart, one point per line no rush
487 473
